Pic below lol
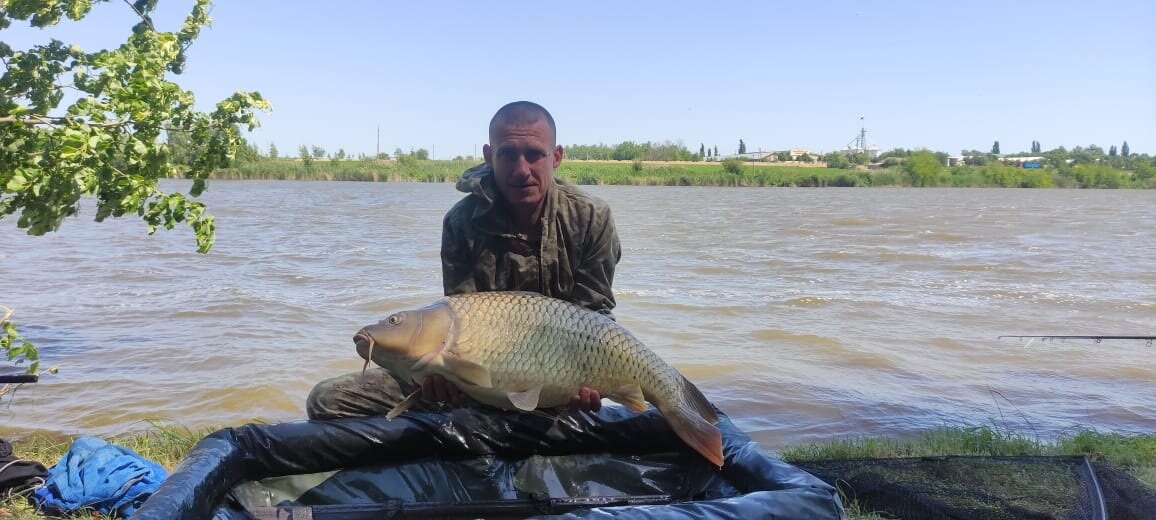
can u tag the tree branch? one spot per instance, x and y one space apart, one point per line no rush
142 16
37 119
33 120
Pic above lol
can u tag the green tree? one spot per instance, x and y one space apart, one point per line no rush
1035 147
716 150
421 154
995 148
107 143
340 154
923 168
1124 151
318 152
742 147
181 149
836 160
701 150
303 154
272 151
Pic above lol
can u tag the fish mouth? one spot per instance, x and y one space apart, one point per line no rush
364 344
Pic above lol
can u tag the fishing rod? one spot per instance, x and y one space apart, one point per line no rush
1097 339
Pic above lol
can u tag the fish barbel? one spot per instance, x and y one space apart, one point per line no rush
523 351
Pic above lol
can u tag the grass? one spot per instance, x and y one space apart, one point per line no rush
164 444
1136 454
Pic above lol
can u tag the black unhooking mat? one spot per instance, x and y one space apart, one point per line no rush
990 488
483 463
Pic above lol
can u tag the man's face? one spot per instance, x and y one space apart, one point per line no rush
523 160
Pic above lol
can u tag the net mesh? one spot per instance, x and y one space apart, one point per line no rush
985 487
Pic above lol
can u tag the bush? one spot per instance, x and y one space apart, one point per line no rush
733 166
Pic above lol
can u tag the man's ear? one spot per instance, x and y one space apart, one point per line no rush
487 156
557 155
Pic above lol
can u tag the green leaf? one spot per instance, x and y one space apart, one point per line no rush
78 8
16 183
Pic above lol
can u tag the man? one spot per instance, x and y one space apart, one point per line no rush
517 229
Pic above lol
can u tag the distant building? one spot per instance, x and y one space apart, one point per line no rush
795 154
749 156
872 152
1030 163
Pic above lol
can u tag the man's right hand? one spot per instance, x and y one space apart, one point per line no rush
437 389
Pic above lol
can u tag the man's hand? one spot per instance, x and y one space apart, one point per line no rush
587 400
436 389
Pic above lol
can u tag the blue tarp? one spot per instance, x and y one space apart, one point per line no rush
100 476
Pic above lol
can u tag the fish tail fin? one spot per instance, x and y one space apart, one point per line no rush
694 430
693 396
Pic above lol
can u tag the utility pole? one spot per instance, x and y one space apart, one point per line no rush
378 153
862 137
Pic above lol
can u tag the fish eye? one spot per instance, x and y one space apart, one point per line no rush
394 319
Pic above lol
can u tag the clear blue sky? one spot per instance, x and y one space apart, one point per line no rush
938 75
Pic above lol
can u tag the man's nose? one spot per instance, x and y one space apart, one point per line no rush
521 165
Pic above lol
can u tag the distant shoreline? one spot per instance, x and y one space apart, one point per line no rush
731 173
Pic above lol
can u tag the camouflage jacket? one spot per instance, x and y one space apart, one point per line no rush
574 261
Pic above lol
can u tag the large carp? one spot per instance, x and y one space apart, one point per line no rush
522 350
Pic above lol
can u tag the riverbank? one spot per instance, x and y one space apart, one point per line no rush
726 173
1134 454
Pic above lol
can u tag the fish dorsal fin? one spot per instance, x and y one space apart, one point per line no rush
526 400
629 396
469 372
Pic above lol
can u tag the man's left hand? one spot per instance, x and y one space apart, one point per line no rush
587 400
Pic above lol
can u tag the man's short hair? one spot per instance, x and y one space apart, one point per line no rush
523 113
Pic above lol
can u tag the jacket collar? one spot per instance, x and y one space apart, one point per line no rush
489 214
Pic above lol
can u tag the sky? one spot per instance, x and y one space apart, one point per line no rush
946 76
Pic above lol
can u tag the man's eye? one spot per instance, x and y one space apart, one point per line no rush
534 156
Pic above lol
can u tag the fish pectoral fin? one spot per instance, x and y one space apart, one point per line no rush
435 358
629 396
404 405
469 372
526 400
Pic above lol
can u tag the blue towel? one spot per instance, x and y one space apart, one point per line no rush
97 475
